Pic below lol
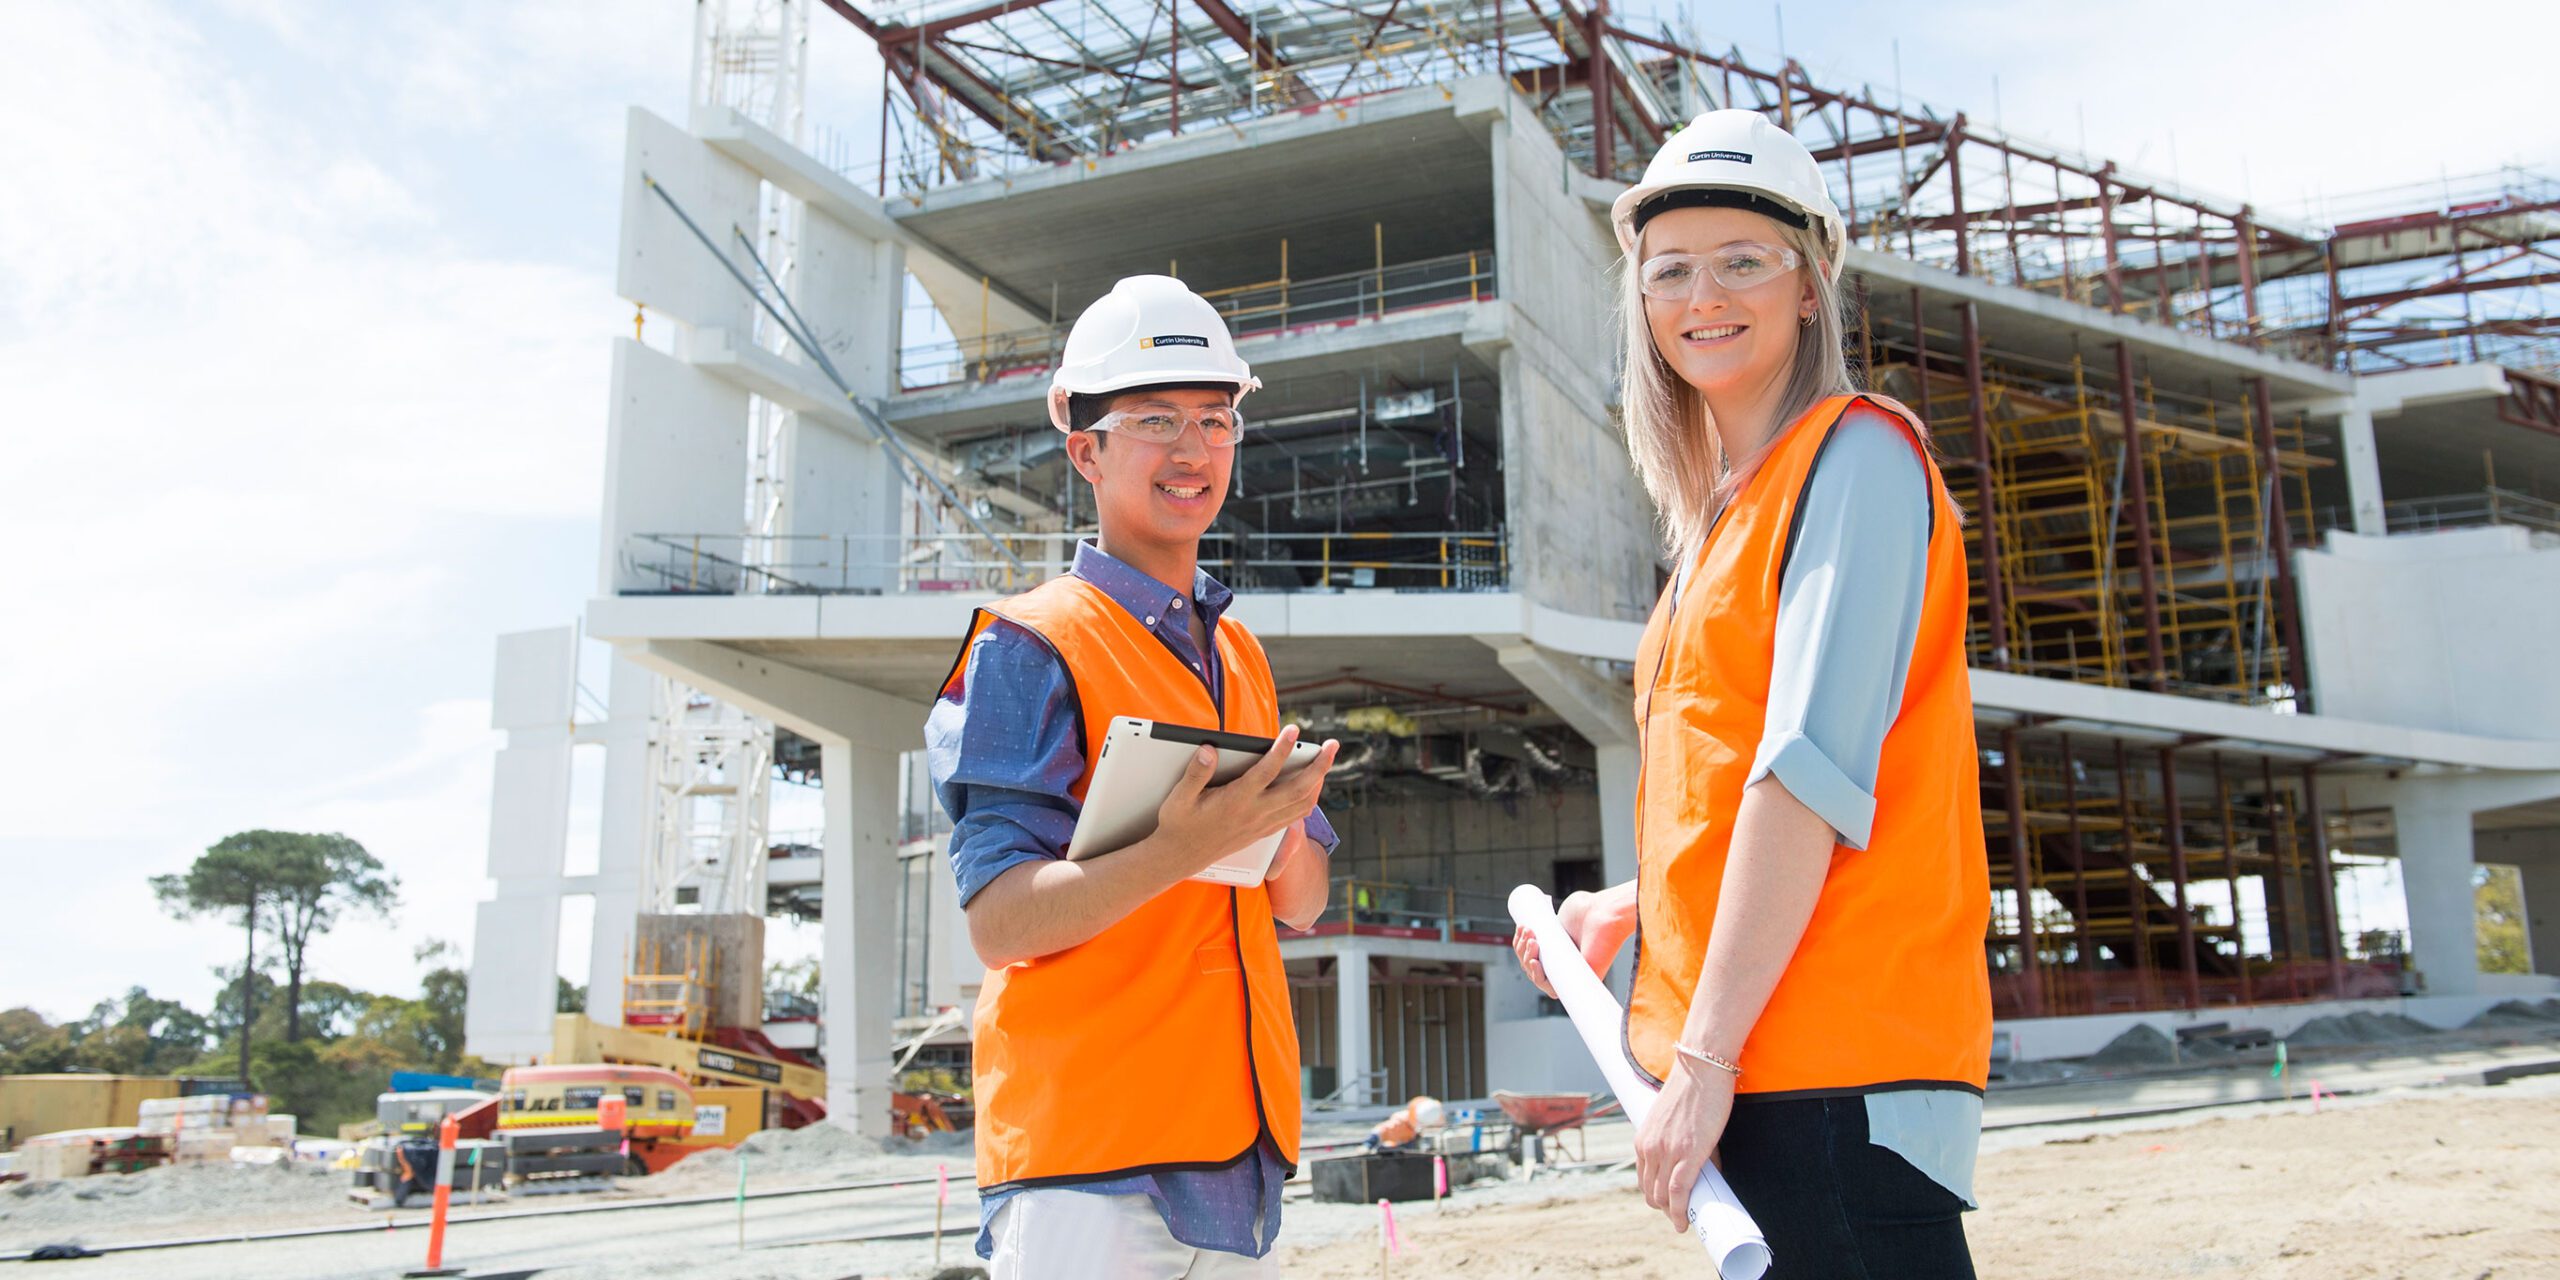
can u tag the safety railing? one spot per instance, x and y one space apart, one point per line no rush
1377 908
2456 511
735 564
1262 307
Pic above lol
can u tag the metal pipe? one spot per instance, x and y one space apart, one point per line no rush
2319 822
2173 828
1955 185
1994 591
2107 220
1604 149
2141 504
2079 857
2021 879
2137 892
2231 875
2280 539
2288 882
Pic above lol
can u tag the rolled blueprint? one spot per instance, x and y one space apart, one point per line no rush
1719 1221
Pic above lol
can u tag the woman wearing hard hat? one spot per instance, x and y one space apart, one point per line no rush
1811 889
1120 1131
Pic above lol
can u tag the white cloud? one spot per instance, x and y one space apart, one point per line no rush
274 373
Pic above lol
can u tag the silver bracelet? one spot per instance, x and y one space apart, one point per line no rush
1701 1055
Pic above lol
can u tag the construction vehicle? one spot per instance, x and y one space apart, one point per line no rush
550 1119
397 1165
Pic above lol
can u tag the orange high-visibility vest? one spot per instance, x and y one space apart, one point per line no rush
1888 987
1166 1040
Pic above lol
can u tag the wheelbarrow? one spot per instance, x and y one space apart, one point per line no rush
1539 1116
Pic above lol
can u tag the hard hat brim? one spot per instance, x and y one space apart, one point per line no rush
1061 389
1622 214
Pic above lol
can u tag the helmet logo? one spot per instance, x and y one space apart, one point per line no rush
1738 157
1173 340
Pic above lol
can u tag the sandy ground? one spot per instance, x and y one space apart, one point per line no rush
2464 1185
2421 1177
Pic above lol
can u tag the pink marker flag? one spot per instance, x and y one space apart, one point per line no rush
1387 1227
1439 1175
941 1184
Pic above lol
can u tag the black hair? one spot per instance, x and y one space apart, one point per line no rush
1085 410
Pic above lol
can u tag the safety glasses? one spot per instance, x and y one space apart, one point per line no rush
1744 264
1220 428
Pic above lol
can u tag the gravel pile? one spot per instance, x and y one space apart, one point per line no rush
2358 1028
798 1157
2540 1015
40 1212
2141 1045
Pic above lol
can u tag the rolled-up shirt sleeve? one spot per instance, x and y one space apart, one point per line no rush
1848 615
1004 751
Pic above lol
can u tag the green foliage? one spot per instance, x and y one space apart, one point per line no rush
293 885
799 977
353 1040
138 1034
2498 895
572 998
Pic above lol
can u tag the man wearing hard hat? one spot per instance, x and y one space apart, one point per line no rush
1135 1058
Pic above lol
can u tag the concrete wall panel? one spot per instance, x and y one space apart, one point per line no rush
529 809
2441 631
536 679
661 265
510 1021
675 463
851 290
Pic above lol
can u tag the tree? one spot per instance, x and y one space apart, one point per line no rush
238 874
319 878
2498 896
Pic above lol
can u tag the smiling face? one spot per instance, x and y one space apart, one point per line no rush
1156 495
1733 346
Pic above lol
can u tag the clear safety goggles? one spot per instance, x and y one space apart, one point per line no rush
1674 277
1220 428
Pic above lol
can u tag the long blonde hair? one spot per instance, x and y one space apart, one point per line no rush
1670 432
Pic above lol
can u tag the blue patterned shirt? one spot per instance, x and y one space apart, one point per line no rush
1004 753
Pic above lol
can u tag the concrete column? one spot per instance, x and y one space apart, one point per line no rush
858 897
1351 1022
2535 854
2364 469
1617 811
2542 912
1618 761
627 821
2435 873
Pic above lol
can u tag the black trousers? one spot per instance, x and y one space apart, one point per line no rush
1835 1206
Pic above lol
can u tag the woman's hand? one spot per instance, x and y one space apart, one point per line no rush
1599 923
1680 1136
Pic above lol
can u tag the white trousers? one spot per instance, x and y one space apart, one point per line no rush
1076 1235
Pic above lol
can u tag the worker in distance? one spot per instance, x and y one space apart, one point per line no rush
1136 1060
1811 890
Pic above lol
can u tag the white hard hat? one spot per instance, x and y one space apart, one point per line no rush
1149 330
1736 159
1427 1113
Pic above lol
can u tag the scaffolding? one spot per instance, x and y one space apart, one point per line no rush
2159 877
2457 271
2166 581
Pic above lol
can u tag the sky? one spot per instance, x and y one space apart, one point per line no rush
304 325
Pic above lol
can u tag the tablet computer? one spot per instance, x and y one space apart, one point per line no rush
1141 760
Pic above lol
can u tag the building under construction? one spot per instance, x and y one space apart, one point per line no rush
2265 515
